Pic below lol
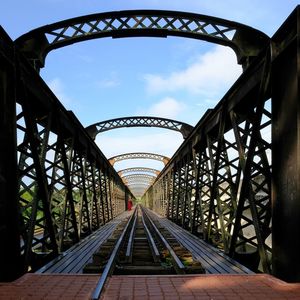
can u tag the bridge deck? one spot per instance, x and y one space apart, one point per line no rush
213 260
232 284
74 259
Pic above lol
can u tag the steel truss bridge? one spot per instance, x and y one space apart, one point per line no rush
234 181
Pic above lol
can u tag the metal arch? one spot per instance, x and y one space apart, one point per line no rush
244 40
138 185
138 177
139 121
138 181
138 170
139 155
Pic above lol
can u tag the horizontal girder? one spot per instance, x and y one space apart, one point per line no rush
138 170
139 155
138 178
140 121
244 40
141 176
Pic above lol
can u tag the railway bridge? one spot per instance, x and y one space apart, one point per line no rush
230 194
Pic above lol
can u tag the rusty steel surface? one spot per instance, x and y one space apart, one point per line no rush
140 121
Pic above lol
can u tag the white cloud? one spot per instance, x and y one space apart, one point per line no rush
166 108
210 75
140 140
110 82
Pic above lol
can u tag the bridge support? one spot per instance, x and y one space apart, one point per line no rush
286 149
9 226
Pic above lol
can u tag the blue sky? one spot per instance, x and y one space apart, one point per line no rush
174 77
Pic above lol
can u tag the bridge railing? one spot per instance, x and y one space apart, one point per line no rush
63 186
218 184
235 180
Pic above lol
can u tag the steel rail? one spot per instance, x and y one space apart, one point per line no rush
131 239
111 263
154 249
178 265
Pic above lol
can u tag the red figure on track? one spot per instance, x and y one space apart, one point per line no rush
129 204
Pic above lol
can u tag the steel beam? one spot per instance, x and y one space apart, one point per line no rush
10 260
141 121
139 155
247 42
286 149
139 170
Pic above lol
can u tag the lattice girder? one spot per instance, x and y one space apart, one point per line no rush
139 155
138 170
138 176
139 121
244 40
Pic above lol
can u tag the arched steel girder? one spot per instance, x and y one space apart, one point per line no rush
138 181
139 155
138 185
138 178
246 41
138 170
139 121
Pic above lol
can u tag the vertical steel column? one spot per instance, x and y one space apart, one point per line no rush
10 263
286 149
96 200
102 191
69 215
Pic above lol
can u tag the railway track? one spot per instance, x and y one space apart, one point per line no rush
139 246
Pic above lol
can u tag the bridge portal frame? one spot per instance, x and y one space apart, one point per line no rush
139 121
139 155
247 42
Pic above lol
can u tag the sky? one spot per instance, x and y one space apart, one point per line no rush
175 78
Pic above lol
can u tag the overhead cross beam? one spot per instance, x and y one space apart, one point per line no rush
138 178
139 121
138 170
247 42
139 155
